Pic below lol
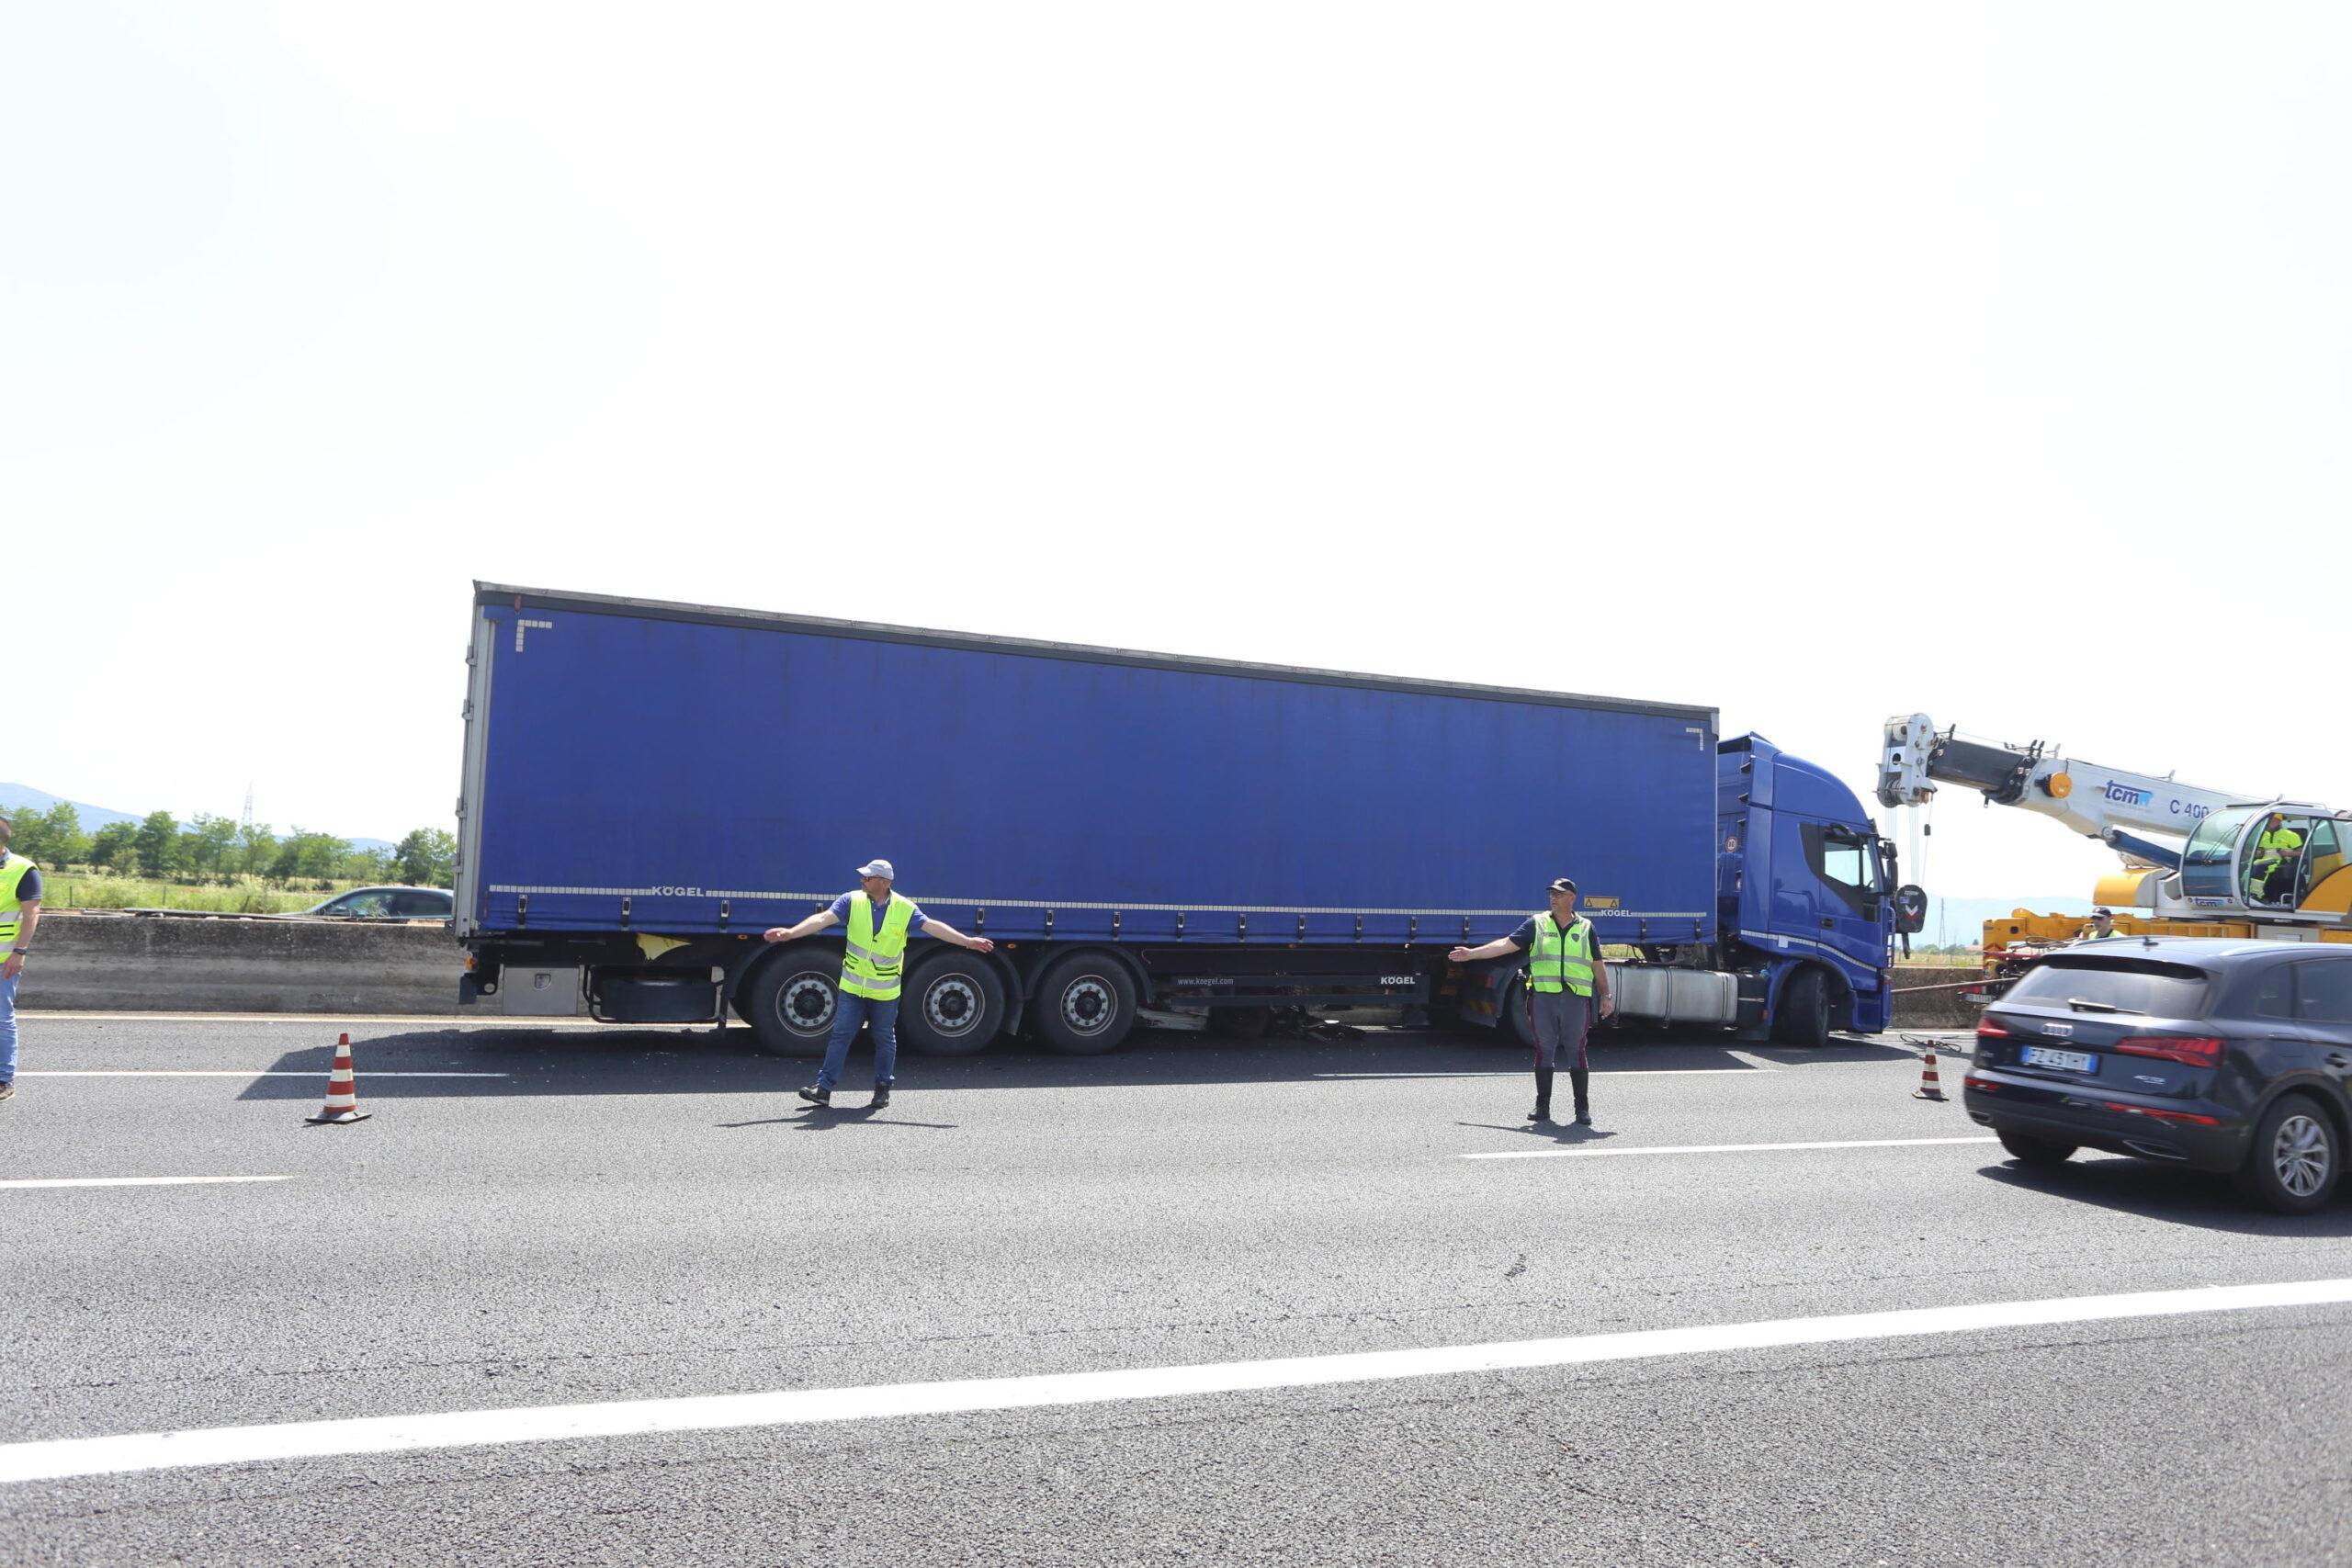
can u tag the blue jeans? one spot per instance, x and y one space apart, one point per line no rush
8 1030
851 1012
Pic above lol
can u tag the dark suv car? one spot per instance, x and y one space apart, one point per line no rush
2221 1055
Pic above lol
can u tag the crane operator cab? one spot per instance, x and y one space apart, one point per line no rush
2269 857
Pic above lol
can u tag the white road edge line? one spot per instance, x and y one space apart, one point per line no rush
422 1021
138 1180
72 1457
1717 1148
210 1073
1596 1072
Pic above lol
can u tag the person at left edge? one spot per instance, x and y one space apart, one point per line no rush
872 966
19 913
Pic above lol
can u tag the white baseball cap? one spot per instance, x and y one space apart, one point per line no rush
877 868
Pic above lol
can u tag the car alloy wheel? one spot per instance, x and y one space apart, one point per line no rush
2301 1154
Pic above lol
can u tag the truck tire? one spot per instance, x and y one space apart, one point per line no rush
1517 1025
955 1004
1086 1004
1803 1015
791 998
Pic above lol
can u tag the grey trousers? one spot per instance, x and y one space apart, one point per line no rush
1562 1021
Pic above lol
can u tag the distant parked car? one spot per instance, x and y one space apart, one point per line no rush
386 904
2221 1055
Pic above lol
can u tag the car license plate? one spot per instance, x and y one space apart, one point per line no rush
2064 1061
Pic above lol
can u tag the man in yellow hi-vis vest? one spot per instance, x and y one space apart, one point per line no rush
872 966
1565 977
19 913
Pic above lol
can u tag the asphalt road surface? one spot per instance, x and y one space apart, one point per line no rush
1200 1302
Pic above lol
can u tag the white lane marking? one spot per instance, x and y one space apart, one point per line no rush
1718 1148
64 1458
139 1181
212 1073
344 1021
1596 1072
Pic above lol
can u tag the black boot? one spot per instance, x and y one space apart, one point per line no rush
1542 1111
1580 1079
881 1096
815 1096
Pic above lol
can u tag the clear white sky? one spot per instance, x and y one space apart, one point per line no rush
1818 363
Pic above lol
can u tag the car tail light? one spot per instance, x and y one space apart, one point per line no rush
2153 1114
1988 1030
2190 1050
1987 1085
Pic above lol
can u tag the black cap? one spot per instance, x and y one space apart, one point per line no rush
1562 884
2109 913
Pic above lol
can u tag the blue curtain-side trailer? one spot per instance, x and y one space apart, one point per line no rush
648 787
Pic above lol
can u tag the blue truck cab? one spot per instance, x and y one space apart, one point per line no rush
1804 892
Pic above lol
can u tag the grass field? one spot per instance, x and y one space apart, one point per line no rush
245 896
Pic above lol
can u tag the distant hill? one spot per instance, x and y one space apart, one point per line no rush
96 817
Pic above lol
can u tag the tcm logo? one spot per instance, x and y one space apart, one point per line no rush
2124 796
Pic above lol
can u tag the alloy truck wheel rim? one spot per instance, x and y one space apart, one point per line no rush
952 1005
2299 1156
1087 1005
806 1004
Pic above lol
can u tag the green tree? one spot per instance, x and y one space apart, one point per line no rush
208 844
62 833
426 858
256 845
367 865
115 847
318 855
159 844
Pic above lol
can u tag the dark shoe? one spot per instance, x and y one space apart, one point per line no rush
881 1096
1584 1118
1541 1114
815 1096
7 1089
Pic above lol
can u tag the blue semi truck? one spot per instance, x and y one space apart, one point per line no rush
648 787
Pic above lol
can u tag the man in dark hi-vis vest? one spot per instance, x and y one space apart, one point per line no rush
1565 975
872 966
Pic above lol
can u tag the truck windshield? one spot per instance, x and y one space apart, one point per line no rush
2160 990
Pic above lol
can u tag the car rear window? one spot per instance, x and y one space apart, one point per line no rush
2161 990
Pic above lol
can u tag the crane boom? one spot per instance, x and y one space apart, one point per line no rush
2110 803
2193 853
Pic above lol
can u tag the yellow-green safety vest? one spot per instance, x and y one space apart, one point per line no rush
2267 849
12 876
871 964
1562 956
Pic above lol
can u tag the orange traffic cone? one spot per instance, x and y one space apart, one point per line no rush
1928 1087
343 1093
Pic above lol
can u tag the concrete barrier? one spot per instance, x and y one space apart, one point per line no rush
89 962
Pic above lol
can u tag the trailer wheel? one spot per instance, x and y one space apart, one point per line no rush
1516 1017
1086 1004
791 1000
955 1004
1803 1018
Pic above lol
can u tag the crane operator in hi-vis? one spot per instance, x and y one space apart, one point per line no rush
1565 978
